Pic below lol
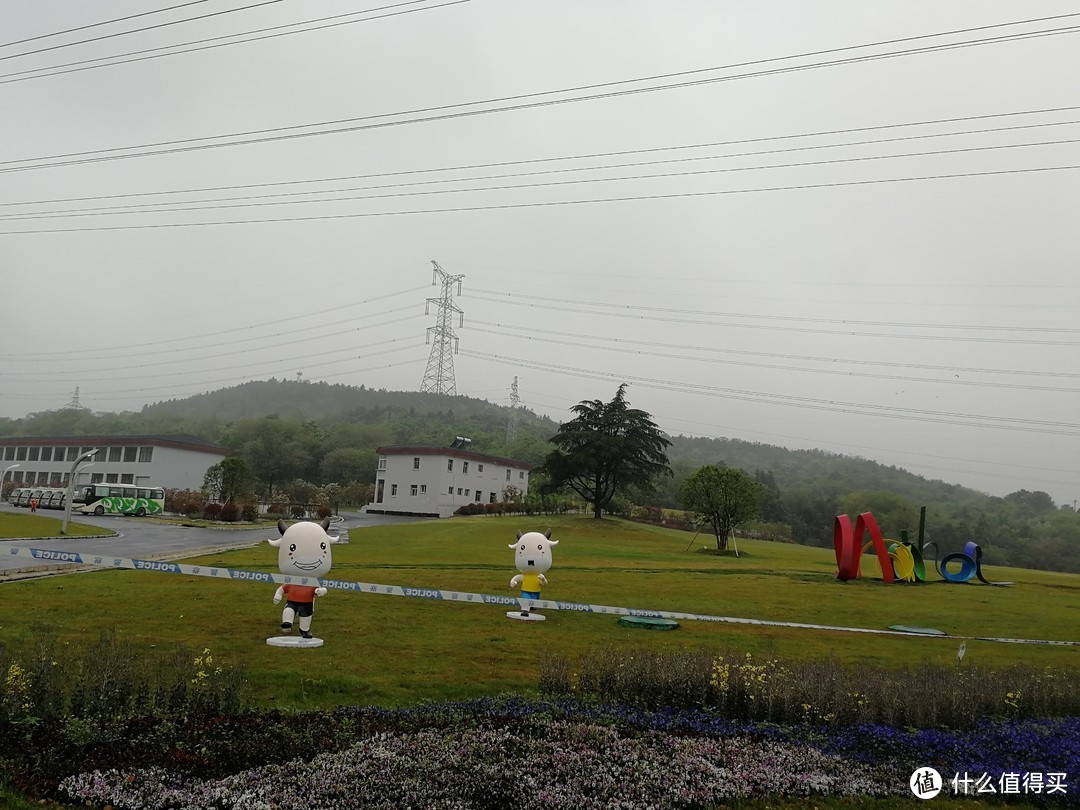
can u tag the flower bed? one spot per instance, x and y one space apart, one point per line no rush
565 754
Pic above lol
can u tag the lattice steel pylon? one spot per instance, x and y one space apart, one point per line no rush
512 421
439 374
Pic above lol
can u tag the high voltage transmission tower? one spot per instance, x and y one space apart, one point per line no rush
439 374
511 422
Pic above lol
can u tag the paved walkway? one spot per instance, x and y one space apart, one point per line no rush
147 540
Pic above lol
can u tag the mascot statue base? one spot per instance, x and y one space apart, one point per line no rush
524 616
294 641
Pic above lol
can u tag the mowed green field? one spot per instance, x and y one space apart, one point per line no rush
395 651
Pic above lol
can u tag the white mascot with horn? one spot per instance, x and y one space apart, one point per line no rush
303 550
532 555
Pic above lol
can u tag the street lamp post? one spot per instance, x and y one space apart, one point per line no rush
71 487
2 477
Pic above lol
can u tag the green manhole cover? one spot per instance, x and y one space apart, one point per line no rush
922 631
648 622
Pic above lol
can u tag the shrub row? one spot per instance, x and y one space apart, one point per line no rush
816 691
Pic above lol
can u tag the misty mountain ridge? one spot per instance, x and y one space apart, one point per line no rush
207 415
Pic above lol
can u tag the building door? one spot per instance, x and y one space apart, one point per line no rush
379 490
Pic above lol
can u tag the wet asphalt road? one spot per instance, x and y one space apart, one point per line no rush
144 539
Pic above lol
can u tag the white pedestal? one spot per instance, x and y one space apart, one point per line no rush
528 617
294 641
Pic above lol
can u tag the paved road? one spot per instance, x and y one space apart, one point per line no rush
145 539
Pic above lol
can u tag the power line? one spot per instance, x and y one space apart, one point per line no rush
143 375
757 397
154 360
157 208
20 76
99 24
503 297
667 419
512 206
844 332
37 356
832 372
532 332
139 30
442 114
588 156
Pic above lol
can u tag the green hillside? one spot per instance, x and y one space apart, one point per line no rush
322 433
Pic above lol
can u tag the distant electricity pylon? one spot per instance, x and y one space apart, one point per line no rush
511 422
439 374
75 400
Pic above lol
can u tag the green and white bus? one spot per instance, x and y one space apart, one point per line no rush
118 499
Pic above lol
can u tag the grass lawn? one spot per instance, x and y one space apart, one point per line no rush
396 651
28 524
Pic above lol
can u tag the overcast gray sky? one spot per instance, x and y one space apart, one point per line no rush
838 225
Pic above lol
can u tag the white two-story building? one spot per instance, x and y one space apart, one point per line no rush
433 481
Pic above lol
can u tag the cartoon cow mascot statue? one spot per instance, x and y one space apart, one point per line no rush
303 551
532 556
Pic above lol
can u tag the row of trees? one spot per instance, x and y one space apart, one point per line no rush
610 450
327 435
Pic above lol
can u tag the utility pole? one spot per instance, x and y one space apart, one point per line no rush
511 422
439 374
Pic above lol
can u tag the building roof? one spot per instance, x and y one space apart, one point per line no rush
179 441
452 452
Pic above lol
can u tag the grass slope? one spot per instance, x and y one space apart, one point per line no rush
397 651
30 524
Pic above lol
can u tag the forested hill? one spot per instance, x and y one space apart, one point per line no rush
325 433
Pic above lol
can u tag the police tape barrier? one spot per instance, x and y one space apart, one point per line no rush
48 556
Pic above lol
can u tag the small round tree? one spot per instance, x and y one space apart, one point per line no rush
722 497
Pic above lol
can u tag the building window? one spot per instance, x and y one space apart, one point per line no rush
146 454
128 478
35 452
393 490
382 463
466 493
492 498
479 468
9 454
85 450
20 454
72 453
130 453
507 475
423 489
464 468
449 465
46 454
114 454
97 478
413 489
416 462
449 490
111 478
459 490
479 496
521 475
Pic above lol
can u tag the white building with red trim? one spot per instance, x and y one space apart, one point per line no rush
433 481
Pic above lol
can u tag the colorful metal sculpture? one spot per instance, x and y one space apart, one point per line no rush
847 543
